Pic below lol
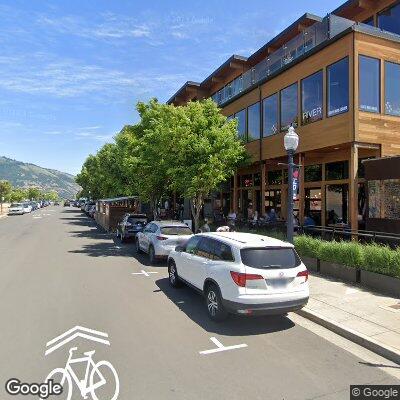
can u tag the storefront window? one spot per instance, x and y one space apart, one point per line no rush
275 177
289 107
247 180
311 98
313 173
241 118
270 117
338 87
369 93
389 19
336 204
273 202
253 115
337 170
392 88
257 179
312 206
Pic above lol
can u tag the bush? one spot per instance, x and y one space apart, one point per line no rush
307 246
381 259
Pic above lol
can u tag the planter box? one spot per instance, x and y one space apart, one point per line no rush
340 271
381 283
312 264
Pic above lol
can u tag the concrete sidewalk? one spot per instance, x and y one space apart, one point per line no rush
367 318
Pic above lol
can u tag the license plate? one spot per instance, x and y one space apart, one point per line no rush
277 282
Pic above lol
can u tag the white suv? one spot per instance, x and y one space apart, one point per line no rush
241 273
158 238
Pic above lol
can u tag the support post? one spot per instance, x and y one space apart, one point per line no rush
289 222
353 188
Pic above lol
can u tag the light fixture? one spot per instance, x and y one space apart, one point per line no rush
291 140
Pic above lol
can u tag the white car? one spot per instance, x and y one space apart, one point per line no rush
16 209
159 238
27 207
241 273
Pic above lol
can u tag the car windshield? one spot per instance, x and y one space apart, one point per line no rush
16 205
270 258
176 230
135 220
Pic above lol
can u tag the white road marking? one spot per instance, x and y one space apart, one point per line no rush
144 273
37 217
221 347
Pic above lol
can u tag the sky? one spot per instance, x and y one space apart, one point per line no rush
72 71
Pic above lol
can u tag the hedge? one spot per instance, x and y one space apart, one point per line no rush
370 257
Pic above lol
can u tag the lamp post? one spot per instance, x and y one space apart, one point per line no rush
291 142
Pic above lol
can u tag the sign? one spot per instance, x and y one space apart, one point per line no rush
296 173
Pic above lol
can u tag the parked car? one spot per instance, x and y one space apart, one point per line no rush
92 211
34 205
130 226
67 203
87 206
159 238
16 209
27 207
241 273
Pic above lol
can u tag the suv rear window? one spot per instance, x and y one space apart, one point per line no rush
176 230
270 258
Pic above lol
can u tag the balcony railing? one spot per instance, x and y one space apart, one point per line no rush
311 37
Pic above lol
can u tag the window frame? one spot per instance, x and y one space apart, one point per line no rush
244 138
320 71
327 91
259 122
278 128
379 83
378 14
385 62
280 105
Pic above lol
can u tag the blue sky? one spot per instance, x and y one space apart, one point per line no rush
71 71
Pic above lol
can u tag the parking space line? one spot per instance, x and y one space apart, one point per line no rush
221 347
145 273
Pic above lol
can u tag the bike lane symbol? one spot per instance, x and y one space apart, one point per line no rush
95 372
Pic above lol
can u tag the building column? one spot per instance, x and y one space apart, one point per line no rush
353 188
301 188
235 193
262 189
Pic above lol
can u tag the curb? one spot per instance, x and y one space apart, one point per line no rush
385 351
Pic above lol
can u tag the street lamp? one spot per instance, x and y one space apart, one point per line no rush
291 142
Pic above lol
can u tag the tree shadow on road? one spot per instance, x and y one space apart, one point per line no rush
192 304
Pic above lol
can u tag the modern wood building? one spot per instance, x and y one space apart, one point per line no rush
337 81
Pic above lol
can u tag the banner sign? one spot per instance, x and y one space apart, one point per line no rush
296 173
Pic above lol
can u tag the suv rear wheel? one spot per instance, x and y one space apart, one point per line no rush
174 280
215 308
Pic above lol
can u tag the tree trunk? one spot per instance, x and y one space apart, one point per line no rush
196 205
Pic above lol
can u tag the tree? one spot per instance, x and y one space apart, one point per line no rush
17 195
206 152
51 196
33 193
5 190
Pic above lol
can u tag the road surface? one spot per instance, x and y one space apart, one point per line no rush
58 270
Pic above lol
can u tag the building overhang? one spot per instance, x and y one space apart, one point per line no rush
352 7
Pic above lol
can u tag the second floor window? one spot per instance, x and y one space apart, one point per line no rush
389 19
241 118
289 107
392 88
338 87
253 115
369 81
311 98
270 115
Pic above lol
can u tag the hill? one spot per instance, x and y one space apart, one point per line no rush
23 175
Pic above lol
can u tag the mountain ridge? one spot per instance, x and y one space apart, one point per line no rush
23 175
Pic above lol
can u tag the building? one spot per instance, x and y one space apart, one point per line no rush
337 80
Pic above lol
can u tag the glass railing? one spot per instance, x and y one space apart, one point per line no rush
311 37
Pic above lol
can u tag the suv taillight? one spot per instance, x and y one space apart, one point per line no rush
304 274
240 279
161 238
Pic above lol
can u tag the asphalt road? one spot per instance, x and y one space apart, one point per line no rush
58 271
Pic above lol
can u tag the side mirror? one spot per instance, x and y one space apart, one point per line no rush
180 248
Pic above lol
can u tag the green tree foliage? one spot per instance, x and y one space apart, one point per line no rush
5 190
34 193
190 149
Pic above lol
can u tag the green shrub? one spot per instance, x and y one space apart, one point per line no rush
381 259
346 253
307 246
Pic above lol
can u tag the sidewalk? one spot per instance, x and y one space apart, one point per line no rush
367 318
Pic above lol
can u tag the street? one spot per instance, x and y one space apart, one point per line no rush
58 270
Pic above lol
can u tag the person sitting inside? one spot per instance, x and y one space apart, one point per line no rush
205 228
309 221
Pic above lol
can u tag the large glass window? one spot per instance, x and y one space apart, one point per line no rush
274 177
289 107
369 91
337 203
338 87
389 19
270 117
313 173
369 21
253 115
392 88
241 118
311 98
337 171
